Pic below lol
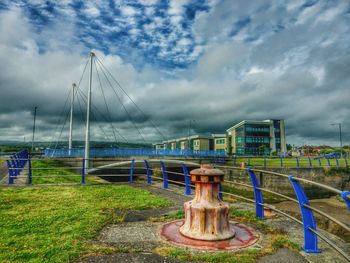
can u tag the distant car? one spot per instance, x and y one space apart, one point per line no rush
332 155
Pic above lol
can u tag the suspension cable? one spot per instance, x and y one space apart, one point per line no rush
121 102
61 115
100 113
105 101
93 117
143 113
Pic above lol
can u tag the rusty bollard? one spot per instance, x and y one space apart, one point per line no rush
206 216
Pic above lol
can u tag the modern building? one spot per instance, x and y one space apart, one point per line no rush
245 138
219 142
257 138
194 142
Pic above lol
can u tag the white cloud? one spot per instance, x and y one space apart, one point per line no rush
128 10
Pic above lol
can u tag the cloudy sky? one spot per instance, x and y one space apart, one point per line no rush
212 62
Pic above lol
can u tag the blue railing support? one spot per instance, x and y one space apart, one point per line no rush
131 171
337 162
319 162
346 163
310 162
83 171
259 201
297 159
165 176
249 160
310 239
264 162
281 161
344 195
328 162
11 172
29 171
149 173
187 179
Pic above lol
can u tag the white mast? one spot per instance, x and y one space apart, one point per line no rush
70 145
87 131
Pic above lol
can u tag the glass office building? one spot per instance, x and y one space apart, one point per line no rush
256 138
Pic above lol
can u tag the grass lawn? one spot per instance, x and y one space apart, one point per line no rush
58 172
55 224
290 162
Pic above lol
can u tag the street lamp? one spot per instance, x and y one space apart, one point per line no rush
340 138
189 133
35 108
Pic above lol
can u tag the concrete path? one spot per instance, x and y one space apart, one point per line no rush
138 234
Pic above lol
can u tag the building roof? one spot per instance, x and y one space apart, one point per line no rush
218 135
248 122
196 136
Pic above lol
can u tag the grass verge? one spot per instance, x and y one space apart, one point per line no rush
55 224
49 171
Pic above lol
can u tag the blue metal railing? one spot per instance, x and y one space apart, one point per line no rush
122 152
16 164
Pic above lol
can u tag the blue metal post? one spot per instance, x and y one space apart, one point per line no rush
310 239
344 195
149 173
187 179
29 170
259 208
165 176
249 162
11 172
337 162
281 161
265 162
346 162
83 171
297 159
328 162
310 162
319 162
131 171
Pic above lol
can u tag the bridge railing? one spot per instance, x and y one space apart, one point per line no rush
125 152
15 165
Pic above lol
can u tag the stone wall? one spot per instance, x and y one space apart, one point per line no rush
336 177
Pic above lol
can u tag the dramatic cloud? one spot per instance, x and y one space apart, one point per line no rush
215 62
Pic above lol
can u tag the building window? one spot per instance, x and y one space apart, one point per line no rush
220 141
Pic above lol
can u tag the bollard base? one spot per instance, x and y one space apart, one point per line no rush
244 237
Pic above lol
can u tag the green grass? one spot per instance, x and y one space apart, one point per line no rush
56 172
54 224
290 162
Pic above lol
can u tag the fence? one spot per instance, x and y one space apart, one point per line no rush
131 169
291 162
123 152
16 165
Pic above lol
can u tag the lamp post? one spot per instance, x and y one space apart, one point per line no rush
340 138
36 107
189 134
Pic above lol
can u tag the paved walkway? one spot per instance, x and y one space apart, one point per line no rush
138 234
